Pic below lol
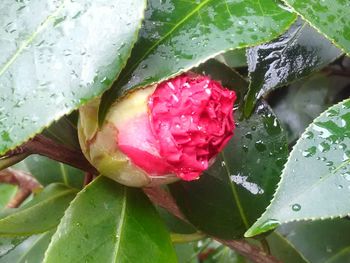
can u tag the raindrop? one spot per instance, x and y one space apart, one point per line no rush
296 207
309 152
329 163
249 135
260 146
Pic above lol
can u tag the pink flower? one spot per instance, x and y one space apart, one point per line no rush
174 128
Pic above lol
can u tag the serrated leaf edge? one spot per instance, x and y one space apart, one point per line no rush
282 177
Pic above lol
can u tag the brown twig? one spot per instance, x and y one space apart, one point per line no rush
88 178
59 152
163 199
26 183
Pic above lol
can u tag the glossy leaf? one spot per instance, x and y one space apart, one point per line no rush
283 249
64 131
316 179
108 222
48 171
329 17
56 55
42 213
179 35
7 191
297 53
237 188
234 58
8 244
31 250
320 241
302 102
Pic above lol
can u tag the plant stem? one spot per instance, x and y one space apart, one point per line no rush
58 152
10 160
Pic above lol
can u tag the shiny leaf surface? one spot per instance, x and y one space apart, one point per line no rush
234 58
295 54
179 35
283 249
318 164
237 188
108 222
302 102
64 131
52 58
320 241
42 213
31 250
329 17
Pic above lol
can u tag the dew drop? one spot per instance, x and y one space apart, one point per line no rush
296 207
329 163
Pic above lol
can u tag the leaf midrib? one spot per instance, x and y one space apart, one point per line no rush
50 199
23 256
31 38
120 225
235 194
176 26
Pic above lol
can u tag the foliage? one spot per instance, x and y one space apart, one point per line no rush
282 184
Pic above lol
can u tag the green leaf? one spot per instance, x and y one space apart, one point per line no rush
329 17
48 171
108 222
283 249
7 191
179 35
316 179
295 54
8 244
64 131
320 241
57 55
234 58
175 224
303 101
237 188
42 213
31 250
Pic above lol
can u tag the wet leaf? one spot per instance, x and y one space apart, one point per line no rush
238 187
7 244
42 213
303 101
57 55
318 164
329 17
297 53
48 171
283 249
64 131
108 222
179 35
234 58
31 250
320 241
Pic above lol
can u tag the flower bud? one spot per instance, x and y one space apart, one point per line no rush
160 133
